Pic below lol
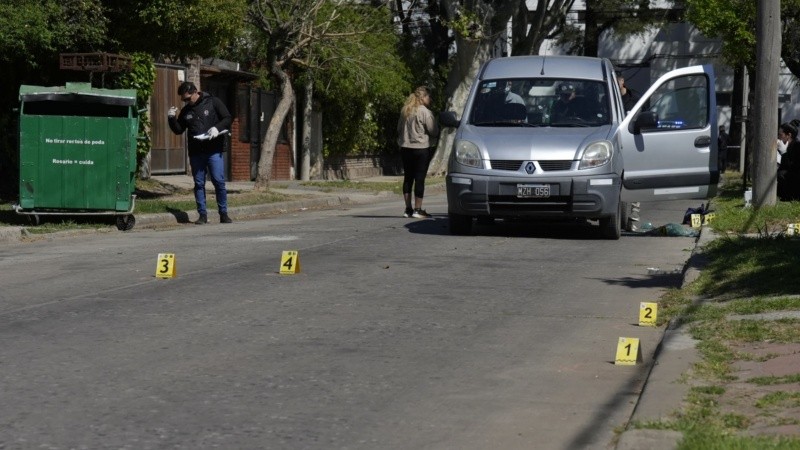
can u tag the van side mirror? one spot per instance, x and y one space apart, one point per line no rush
449 119
645 119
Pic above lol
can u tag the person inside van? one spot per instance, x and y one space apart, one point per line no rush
563 107
511 96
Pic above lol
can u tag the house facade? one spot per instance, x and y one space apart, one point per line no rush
251 108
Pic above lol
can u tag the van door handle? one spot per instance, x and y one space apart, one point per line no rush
702 141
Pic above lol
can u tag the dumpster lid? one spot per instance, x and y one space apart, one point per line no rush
77 92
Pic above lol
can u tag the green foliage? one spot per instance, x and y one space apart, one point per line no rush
141 77
732 217
468 25
32 30
790 39
748 267
700 438
181 28
733 21
32 33
360 83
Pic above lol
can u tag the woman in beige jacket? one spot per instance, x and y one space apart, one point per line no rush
415 131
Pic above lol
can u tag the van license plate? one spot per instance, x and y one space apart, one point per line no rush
533 190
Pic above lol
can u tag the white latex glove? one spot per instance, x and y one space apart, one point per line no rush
213 132
782 146
173 111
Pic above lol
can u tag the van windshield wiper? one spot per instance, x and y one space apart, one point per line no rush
505 123
572 124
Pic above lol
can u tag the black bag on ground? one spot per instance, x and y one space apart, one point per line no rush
687 218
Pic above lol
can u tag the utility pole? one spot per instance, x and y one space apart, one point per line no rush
768 59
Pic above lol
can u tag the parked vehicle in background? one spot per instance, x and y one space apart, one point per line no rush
568 149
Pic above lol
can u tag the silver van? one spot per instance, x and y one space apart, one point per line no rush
548 136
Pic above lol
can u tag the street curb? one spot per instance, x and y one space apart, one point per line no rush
324 202
11 234
669 364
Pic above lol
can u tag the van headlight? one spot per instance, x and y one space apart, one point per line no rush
468 154
596 154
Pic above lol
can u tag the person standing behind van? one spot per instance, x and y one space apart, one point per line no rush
629 98
722 149
789 168
415 131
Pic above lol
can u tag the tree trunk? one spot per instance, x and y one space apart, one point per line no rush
470 56
468 60
274 128
193 71
532 27
305 150
768 48
591 31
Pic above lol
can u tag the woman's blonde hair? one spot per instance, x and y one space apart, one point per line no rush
414 100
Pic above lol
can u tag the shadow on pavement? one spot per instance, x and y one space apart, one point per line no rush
571 229
180 216
652 281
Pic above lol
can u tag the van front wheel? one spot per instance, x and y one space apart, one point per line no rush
611 227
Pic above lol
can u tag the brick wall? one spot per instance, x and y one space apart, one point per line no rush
352 167
282 162
240 155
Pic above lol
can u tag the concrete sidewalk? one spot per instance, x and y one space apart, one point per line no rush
307 197
186 182
663 392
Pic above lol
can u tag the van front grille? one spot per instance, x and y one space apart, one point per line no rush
549 166
514 165
506 164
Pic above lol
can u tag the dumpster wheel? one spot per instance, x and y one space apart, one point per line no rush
34 219
126 222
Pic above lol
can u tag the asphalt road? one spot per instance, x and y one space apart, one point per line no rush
393 335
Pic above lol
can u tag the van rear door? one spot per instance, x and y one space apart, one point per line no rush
668 139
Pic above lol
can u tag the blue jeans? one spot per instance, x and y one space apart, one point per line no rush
214 165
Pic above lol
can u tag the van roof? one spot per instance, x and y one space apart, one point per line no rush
577 67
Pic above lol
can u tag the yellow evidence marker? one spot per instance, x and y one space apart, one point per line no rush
628 352
290 262
708 218
792 229
697 220
165 268
648 312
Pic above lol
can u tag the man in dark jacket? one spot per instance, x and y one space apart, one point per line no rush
629 98
207 120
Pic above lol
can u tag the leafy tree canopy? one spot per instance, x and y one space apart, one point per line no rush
30 29
734 21
175 27
731 20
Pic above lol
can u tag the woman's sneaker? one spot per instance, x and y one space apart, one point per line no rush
420 214
409 212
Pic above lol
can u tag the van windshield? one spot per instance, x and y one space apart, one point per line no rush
541 102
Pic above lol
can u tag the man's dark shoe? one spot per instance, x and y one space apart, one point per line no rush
203 219
223 218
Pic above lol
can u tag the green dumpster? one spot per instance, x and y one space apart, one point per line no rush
77 151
